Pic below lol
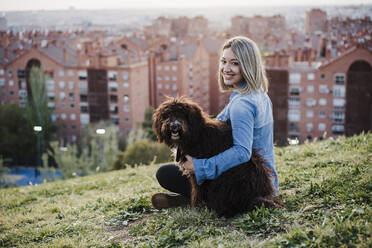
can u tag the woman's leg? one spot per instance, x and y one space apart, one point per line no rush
171 178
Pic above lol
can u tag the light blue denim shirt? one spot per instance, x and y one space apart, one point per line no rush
252 127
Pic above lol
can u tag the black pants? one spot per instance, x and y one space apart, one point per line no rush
171 178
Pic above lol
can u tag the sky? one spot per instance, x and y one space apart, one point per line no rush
16 5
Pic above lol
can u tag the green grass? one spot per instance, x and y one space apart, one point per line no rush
326 188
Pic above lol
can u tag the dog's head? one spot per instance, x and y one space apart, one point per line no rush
178 121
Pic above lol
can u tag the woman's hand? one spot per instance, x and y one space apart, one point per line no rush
188 166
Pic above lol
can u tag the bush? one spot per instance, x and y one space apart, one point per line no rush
142 152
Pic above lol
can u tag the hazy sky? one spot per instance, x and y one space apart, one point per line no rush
9 5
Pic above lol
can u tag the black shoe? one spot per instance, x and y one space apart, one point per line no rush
164 200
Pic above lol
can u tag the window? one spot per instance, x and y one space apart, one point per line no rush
322 101
1 72
61 73
294 91
338 116
174 87
294 115
159 78
174 67
160 86
22 93
73 117
125 98
174 78
323 89
2 82
166 67
84 109
321 126
83 98
70 73
126 108
82 75
115 120
11 82
125 85
50 84
62 95
309 127
338 129
294 102
339 78
166 78
21 73
310 76
126 119
113 98
10 73
167 86
63 116
71 96
339 91
61 84
158 68
125 75
310 88
83 85
338 103
84 118
71 85
113 86
293 127
323 76
114 109
322 114
112 75
294 78
310 102
22 84
309 114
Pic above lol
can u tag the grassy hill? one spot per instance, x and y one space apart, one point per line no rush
326 188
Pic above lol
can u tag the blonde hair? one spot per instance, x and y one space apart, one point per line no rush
251 66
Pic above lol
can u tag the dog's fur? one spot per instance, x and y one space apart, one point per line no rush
240 189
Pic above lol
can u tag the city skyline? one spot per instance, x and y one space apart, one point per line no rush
24 5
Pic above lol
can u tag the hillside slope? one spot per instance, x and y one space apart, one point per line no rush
326 188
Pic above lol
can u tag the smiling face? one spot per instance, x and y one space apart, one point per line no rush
230 68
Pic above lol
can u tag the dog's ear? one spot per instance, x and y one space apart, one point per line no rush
156 126
195 117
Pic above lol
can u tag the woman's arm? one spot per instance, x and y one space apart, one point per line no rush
242 115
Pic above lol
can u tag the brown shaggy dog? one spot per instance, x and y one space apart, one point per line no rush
181 124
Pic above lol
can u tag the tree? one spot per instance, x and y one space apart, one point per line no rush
38 112
101 147
144 130
17 142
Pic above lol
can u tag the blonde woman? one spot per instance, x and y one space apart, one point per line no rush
250 112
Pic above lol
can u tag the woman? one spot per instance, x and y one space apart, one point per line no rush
250 112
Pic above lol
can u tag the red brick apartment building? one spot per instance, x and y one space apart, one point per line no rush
81 88
333 96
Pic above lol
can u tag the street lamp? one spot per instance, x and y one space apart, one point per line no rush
38 130
101 132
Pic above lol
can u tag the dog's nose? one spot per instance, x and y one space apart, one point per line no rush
174 126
